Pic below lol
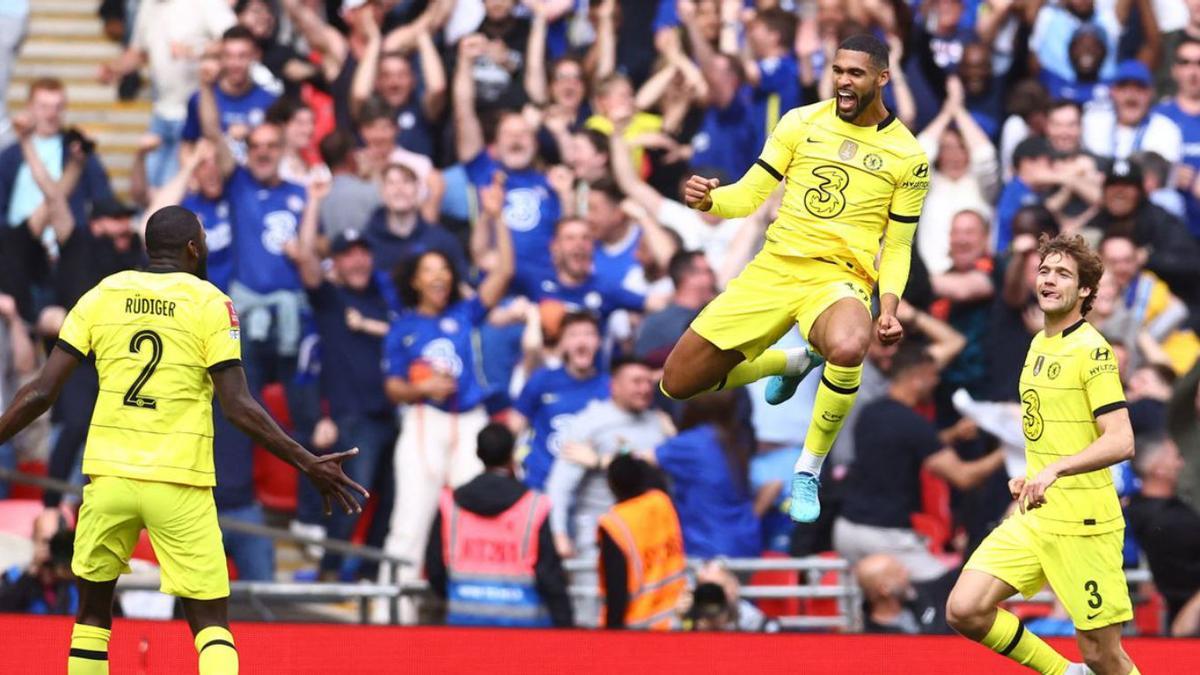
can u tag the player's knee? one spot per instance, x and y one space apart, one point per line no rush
848 349
966 615
1101 657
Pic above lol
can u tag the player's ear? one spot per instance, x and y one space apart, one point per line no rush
885 76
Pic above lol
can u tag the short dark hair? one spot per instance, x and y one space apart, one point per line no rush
909 355
170 228
284 109
404 273
608 187
494 445
871 46
337 147
628 477
1090 266
780 22
622 362
490 121
374 109
579 316
1152 163
1058 103
1147 444
239 32
1185 41
680 264
597 139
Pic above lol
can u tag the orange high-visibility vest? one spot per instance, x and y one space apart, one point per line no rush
646 529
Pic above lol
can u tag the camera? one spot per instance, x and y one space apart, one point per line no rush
74 135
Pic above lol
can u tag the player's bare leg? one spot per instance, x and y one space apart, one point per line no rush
841 334
1102 651
93 625
974 611
696 366
209 621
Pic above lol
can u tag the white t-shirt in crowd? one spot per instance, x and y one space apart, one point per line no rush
1103 137
173 35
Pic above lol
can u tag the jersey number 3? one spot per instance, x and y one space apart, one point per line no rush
1031 420
141 340
827 199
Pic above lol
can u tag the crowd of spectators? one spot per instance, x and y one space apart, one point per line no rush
430 214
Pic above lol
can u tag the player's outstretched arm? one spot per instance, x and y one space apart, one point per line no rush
1114 445
36 397
246 414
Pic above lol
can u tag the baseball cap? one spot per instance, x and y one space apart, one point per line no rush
1132 71
1124 172
347 239
111 207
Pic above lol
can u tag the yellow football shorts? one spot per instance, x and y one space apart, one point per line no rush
774 293
181 520
1084 570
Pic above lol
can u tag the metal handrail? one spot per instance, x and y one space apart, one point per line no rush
846 592
230 524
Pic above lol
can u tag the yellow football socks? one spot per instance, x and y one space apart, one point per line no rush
217 653
89 650
1008 637
835 397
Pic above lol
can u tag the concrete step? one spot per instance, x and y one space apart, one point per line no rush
38 48
84 69
64 7
66 26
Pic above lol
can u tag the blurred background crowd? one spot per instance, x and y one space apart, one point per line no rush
439 216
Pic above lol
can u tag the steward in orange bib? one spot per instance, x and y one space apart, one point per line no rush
491 554
642 563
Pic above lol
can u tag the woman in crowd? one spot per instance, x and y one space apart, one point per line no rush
430 369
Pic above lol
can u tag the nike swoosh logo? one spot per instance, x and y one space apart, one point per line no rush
1092 616
813 140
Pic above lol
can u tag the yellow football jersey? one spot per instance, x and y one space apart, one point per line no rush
156 337
844 183
1067 382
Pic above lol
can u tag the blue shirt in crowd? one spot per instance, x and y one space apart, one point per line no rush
265 218
350 358
444 344
728 139
1013 197
614 264
778 91
1189 126
390 249
715 509
597 295
549 401
249 109
531 210
216 217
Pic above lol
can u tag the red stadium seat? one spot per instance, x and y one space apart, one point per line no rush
1149 616
274 479
17 515
935 521
24 490
782 606
824 606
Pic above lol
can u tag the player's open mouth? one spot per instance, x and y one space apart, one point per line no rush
847 100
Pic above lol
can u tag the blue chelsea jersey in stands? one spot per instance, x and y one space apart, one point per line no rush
596 295
729 139
265 219
530 210
1189 127
778 91
444 344
614 265
216 217
249 109
549 401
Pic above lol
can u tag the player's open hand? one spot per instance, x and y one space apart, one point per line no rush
695 193
888 329
327 476
1033 492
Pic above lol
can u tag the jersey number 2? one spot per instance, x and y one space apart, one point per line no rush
134 397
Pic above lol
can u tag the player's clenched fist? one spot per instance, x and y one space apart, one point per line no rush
695 193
